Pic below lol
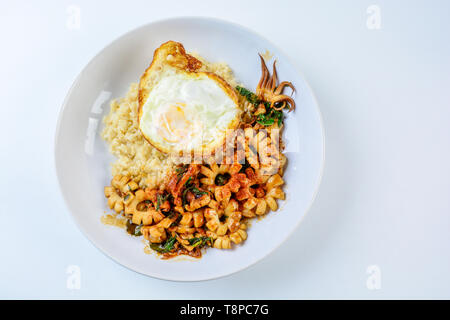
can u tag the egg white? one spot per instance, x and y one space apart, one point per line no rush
187 112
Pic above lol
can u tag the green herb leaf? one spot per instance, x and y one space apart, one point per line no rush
221 179
158 202
265 120
184 197
188 186
199 242
137 231
177 220
157 248
180 171
167 247
198 192
160 199
271 115
134 229
188 182
250 96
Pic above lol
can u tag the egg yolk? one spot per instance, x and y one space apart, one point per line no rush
172 124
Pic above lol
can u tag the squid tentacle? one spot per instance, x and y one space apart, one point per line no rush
283 97
282 85
264 78
268 89
274 77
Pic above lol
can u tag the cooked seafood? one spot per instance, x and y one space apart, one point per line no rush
270 90
209 203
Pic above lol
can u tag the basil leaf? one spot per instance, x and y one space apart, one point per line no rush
134 229
137 231
190 187
250 96
199 242
265 120
188 182
157 248
198 192
271 115
167 247
222 179
269 118
158 202
183 197
180 171
160 199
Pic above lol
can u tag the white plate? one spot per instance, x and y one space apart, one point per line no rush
83 162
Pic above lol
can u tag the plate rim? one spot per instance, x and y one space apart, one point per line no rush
110 44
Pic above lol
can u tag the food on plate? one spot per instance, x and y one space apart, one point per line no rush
198 154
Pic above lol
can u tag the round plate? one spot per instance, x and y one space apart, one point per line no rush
83 162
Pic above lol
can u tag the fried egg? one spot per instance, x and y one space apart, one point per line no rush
182 110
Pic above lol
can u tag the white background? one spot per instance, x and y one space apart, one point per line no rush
385 196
